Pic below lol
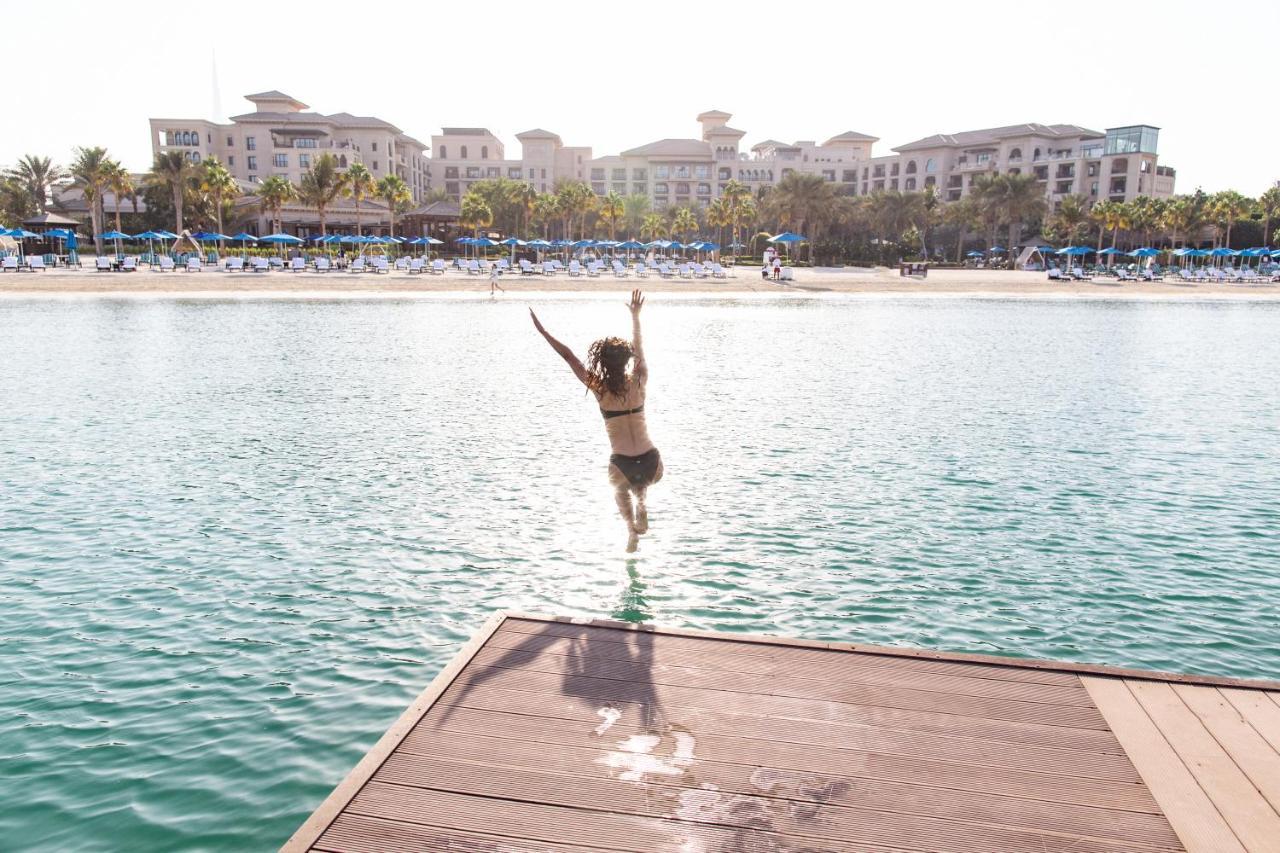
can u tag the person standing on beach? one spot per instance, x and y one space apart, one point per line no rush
635 464
777 268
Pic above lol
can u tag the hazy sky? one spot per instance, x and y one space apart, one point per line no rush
616 75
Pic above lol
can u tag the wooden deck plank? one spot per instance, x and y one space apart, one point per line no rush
352 833
839 667
603 640
1190 811
696 828
1250 817
1259 762
921 795
790 716
614 684
1256 707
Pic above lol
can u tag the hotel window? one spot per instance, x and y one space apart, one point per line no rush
597 174
955 180
640 189
682 189
681 172
250 144
463 156
1015 171
911 167
953 195
910 184
725 174
230 142
1063 187
253 179
702 172
209 138
451 187
305 142
893 184
1144 166
1093 170
620 188
444 153
304 161
930 181
661 172
865 173
849 176
704 189
493 171
864 187
473 171
1093 188
983 157
829 175
877 186
375 165
1118 165
660 189
252 162
374 147
620 174
280 161
513 172
878 171
930 166
1042 173
893 169
484 152
1015 154
1118 185
231 160
597 188
639 175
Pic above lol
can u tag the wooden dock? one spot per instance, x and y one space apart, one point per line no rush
555 734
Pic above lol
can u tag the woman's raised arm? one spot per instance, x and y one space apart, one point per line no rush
637 349
567 354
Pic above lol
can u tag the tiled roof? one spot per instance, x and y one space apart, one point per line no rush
992 135
852 136
538 133
672 148
725 130
438 208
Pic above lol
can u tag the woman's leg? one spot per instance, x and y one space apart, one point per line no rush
642 511
622 494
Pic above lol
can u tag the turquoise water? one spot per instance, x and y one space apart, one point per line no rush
236 537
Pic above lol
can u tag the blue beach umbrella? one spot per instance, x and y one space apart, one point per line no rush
1145 252
280 238
631 244
1074 250
974 254
20 234
115 235
997 249
787 237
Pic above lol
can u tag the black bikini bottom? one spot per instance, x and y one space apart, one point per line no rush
639 470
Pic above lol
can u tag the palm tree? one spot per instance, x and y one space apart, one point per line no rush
1269 207
654 226
173 171
360 185
218 183
1230 206
719 216
635 208
545 209
894 213
273 194
685 223
1022 200
1101 216
92 170
475 213
611 210
37 175
121 184
321 184
395 192
988 193
1176 219
799 201
736 194
746 216
524 197
964 215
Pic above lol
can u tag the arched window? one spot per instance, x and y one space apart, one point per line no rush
484 152
1015 154
195 156
911 167
1036 156
464 152
443 154
930 166
910 183
342 161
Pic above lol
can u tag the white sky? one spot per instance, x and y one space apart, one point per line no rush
617 75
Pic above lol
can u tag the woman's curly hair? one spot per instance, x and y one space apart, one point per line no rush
607 362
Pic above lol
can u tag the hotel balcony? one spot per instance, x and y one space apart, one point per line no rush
975 166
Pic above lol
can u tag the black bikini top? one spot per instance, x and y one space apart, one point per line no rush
620 412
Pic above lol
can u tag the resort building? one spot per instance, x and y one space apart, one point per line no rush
1120 163
280 137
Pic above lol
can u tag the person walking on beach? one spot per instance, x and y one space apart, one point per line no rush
493 279
635 464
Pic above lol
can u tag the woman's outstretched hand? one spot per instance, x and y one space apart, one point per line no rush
637 302
537 324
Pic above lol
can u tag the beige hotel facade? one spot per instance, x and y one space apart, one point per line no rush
280 137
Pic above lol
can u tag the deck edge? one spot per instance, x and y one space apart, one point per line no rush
338 799
925 654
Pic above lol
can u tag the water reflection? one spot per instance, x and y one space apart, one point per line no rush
632 605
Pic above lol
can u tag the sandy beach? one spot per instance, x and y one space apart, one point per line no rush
746 280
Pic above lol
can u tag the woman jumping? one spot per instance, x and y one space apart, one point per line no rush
635 464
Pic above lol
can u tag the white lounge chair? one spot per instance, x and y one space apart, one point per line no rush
548 268
261 265
322 264
129 264
194 265
640 270
402 264
9 264
358 265
718 271
526 268
166 264
1055 274
297 265
234 265
575 269
379 265
665 271
416 266
102 264
35 263
437 267
620 270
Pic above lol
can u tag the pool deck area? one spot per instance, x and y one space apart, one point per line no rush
555 734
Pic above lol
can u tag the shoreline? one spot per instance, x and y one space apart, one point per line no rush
808 283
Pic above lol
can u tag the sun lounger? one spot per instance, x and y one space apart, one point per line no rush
437 267
194 264
620 270
575 269
526 268
234 265
358 265
416 266
35 263
718 271
402 264
102 264
640 270
548 268
261 265
166 264
379 265
9 264
666 271
322 264
1055 274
